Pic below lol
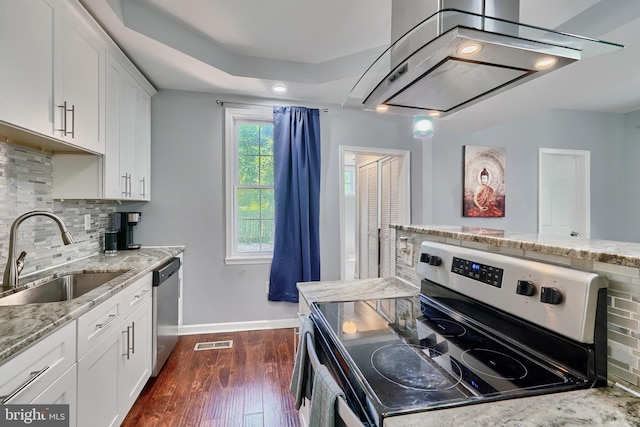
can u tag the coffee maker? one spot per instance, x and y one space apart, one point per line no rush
124 223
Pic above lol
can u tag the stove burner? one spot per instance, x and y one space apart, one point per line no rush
416 367
494 364
448 328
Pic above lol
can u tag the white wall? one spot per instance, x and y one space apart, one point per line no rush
602 134
187 206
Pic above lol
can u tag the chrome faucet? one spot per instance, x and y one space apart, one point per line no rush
15 265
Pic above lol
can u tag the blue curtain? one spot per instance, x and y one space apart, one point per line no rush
296 152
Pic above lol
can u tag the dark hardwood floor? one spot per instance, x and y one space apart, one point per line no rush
246 385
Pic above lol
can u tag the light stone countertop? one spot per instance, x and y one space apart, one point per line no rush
607 406
22 325
354 290
606 251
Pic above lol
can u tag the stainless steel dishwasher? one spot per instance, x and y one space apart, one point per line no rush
166 286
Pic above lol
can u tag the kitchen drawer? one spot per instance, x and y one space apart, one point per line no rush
134 294
28 374
95 325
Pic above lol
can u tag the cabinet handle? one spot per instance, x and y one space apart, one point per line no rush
133 337
109 320
129 179
127 347
73 122
144 187
32 378
124 191
63 118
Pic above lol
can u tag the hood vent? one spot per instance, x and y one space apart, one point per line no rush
454 59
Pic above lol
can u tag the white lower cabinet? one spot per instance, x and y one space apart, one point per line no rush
135 361
97 364
44 373
113 372
98 383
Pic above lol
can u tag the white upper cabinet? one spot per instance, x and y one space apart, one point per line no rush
52 73
29 30
119 128
143 144
80 103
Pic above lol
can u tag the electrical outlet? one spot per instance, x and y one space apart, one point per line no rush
407 255
266 289
87 222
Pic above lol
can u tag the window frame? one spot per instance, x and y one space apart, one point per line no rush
232 116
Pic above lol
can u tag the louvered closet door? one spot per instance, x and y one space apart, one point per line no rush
389 171
368 221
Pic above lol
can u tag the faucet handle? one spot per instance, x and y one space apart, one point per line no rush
20 262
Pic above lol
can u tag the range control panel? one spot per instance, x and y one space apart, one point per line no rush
555 297
477 271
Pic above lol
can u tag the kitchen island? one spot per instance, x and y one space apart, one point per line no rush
22 325
619 261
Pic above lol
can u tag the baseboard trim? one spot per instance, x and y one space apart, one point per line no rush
210 328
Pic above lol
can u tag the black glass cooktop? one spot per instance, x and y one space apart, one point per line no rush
409 354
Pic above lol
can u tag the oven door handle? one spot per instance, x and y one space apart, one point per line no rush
344 411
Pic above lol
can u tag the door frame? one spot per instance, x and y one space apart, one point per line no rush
405 178
583 178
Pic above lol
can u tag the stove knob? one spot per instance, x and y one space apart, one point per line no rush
550 296
424 257
435 260
526 288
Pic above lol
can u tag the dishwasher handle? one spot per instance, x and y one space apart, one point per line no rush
166 271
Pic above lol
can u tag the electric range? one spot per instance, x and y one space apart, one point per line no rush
485 327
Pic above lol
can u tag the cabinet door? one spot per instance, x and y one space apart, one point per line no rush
98 384
113 184
143 144
28 31
62 391
135 361
82 86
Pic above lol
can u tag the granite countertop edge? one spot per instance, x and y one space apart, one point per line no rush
605 251
23 325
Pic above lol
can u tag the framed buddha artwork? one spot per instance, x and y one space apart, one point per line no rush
484 181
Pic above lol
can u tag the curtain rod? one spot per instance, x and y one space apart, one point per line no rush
222 102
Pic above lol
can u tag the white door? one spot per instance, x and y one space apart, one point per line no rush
564 193
389 174
368 221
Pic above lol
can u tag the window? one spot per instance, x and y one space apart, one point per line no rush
249 173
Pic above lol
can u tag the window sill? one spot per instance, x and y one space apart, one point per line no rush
235 260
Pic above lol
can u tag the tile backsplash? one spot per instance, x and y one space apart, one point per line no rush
26 183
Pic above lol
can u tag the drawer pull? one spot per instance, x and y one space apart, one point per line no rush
32 378
136 297
109 320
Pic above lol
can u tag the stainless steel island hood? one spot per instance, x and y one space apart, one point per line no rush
456 58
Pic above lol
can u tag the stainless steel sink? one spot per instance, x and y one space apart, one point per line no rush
63 288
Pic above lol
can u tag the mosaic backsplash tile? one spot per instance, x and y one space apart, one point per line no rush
26 184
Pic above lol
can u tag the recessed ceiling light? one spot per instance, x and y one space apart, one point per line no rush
434 114
545 63
278 88
382 108
470 49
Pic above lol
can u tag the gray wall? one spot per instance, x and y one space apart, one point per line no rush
602 134
631 201
187 201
